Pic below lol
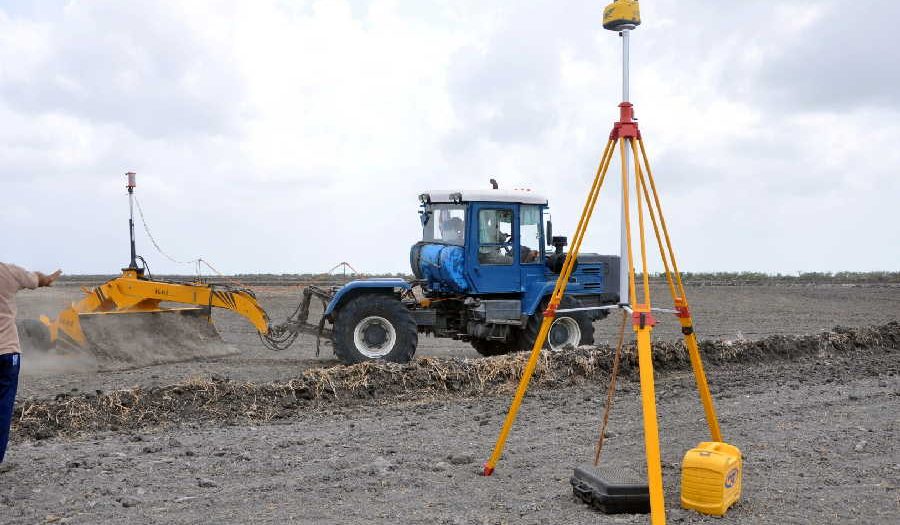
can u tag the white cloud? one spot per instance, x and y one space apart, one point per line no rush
273 136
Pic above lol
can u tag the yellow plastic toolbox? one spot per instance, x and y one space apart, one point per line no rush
711 478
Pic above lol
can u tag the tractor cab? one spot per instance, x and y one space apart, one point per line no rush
483 275
480 242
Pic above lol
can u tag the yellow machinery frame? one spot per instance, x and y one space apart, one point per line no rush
131 293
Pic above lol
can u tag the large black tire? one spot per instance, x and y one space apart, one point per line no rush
374 326
34 335
489 348
567 328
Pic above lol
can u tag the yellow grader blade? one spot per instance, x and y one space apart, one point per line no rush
128 320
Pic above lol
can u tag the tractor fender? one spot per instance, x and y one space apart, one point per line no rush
532 301
387 285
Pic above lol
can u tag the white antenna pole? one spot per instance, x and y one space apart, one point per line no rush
623 248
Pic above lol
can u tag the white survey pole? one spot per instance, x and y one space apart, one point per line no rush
624 263
625 94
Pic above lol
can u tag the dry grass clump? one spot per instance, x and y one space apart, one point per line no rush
225 401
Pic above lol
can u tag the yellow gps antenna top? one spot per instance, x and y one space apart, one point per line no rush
621 15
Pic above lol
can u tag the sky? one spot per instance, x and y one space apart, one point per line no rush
288 136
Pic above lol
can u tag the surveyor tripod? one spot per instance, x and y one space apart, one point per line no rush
626 139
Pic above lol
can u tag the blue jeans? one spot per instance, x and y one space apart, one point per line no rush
9 382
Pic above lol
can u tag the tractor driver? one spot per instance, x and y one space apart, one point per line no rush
12 279
453 231
528 255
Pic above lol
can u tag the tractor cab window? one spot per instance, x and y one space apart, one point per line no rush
530 233
445 223
495 229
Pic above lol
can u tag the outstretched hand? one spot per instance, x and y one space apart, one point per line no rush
47 280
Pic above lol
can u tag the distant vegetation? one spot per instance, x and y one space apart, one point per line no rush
798 278
705 278
249 279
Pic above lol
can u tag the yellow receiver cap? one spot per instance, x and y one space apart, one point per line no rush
622 14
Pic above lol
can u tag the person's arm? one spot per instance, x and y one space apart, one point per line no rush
47 280
24 279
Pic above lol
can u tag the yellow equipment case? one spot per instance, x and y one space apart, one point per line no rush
711 478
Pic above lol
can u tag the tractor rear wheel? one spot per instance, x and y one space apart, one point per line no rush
372 327
568 329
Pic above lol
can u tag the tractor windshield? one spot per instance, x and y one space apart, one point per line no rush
445 223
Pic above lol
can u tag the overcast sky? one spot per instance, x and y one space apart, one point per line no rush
289 136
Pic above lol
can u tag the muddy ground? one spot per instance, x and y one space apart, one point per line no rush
819 430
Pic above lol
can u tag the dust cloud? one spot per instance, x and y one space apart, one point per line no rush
119 341
128 340
37 362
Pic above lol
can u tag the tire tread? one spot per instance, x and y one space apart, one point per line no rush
375 304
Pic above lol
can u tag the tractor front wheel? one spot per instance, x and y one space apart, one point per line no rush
569 329
372 327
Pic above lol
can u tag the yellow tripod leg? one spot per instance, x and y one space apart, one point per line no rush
550 313
520 394
679 298
643 329
690 341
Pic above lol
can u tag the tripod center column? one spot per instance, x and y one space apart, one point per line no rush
624 262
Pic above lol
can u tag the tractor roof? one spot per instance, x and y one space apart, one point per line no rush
517 195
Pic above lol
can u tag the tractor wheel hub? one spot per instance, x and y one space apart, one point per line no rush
564 333
374 337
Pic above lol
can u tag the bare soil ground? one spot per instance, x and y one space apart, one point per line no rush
817 421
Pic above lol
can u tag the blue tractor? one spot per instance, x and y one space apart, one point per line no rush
483 274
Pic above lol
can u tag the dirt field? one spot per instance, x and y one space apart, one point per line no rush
819 428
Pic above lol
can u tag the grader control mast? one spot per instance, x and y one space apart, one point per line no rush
136 295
